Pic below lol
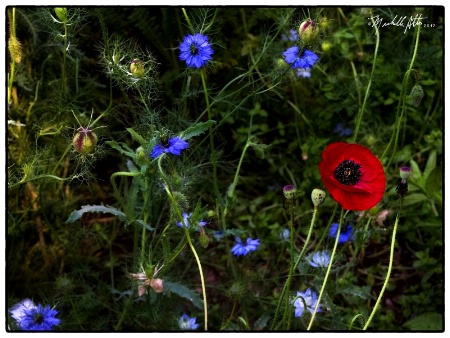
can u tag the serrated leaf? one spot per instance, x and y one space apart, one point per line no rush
196 129
184 292
118 147
138 138
75 215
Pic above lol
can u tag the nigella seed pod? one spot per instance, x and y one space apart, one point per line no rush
61 13
290 192
137 68
308 30
84 141
318 196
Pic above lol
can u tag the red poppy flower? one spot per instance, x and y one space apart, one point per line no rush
353 175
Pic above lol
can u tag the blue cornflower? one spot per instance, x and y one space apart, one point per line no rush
306 60
320 259
187 323
243 249
174 146
308 298
303 72
342 131
31 317
186 218
345 235
293 36
195 50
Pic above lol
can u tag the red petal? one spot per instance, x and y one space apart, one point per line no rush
368 191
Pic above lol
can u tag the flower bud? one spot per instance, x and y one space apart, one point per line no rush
318 196
308 30
61 13
290 192
137 68
326 46
405 172
157 285
416 95
15 49
204 240
84 141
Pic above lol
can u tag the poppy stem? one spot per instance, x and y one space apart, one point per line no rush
338 234
391 260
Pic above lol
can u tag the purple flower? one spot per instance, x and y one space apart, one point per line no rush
187 323
174 146
31 317
308 298
342 131
292 35
303 72
243 249
320 259
195 50
306 59
345 235
186 218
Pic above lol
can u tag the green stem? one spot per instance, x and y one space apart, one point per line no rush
361 111
188 237
401 103
231 315
391 260
211 139
305 246
188 20
292 264
338 234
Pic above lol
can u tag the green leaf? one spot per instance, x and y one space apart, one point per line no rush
138 138
184 292
411 199
429 321
196 129
145 225
431 164
127 151
75 215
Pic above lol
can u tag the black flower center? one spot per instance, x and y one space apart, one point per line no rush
39 318
348 172
194 49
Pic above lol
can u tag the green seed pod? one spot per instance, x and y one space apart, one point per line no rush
326 46
84 141
308 31
15 49
137 68
318 196
61 13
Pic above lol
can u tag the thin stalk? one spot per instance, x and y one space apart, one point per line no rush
211 139
305 246
338 234
188 237
391 260
361 111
